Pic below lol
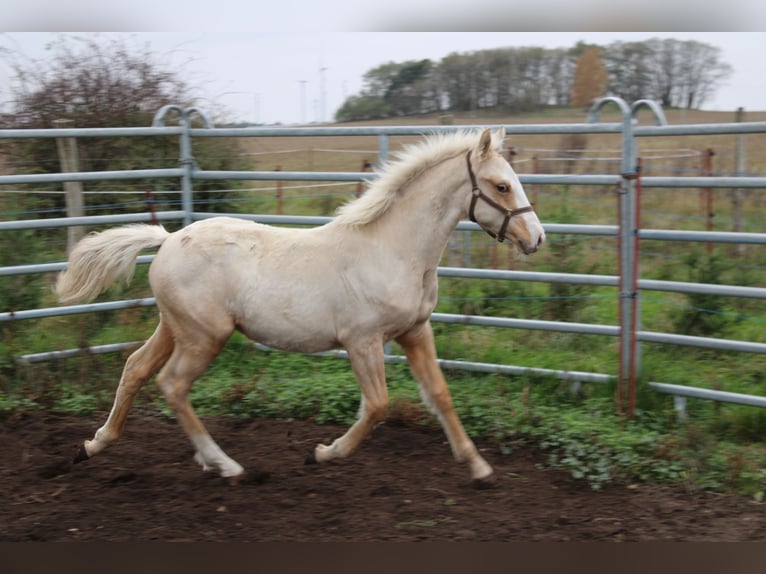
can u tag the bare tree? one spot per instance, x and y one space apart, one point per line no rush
629 68
673 72
700 71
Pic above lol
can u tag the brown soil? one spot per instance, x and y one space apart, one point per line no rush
401 485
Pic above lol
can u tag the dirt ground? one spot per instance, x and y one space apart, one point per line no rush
402 485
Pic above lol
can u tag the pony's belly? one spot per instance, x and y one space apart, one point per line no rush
304 340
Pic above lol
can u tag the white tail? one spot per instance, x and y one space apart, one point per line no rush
100 259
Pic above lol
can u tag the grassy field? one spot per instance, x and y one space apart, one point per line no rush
719 447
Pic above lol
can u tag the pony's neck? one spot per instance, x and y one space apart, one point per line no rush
423 219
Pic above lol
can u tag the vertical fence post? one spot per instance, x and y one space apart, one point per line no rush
187 163
187 159
280 206
382 149
738 194
70 162
635 352
626 236
628 267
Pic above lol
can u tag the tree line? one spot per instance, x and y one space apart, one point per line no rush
676 73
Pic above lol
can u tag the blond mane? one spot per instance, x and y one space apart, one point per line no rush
409 163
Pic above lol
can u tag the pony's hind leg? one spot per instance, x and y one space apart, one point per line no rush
139 368
418 345
369 368
187 363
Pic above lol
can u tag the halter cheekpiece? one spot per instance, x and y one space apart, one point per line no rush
478 194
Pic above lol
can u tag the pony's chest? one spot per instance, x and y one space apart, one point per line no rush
429 294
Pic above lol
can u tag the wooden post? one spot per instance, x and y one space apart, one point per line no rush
70 162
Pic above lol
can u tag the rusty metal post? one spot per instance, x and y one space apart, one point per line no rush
151 206
366 166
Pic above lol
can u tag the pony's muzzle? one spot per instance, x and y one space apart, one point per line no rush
534 243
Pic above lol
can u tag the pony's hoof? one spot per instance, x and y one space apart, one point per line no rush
81 455
485 483
311 457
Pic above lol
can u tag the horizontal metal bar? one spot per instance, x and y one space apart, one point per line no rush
90 132
564 375
703 236
703 182
283 175
556 179
75 309
709 394
520 129
702 288
53 267
88 220
533 324
32 268
91 176
701 129
578 229
69 353
550 179
570 278
493 368
703 342
421 130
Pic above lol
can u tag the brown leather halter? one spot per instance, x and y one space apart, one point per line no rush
479 194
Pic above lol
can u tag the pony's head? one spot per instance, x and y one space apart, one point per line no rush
498 202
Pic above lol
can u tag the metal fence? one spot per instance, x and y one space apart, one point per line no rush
628 283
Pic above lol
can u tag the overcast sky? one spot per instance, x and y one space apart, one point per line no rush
305 71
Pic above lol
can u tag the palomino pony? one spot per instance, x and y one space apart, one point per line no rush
365 278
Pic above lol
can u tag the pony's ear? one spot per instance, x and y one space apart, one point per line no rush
485 143
500 134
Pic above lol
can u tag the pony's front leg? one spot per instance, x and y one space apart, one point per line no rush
369 368
418 345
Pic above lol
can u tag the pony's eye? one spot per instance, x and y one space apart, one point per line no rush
502 188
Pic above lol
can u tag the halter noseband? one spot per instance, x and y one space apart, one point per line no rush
479 194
